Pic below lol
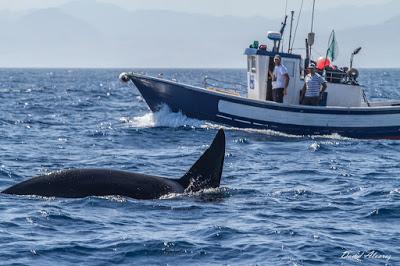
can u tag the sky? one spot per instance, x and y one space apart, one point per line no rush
69 36
213 7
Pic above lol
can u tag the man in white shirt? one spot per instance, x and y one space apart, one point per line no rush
314 86
280 80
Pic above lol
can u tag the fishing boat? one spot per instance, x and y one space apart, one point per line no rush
344 108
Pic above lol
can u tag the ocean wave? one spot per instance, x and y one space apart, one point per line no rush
297 193
218 232
384 213
281 203
314 209
395 192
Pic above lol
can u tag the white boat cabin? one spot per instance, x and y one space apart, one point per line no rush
340 92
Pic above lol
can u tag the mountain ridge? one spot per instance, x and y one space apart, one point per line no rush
94 34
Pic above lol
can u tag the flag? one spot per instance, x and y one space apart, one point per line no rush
333 49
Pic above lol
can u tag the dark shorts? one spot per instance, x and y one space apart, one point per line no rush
311 101
277 95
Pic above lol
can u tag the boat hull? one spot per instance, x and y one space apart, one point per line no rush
236 111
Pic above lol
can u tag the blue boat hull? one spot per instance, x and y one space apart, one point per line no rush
203 104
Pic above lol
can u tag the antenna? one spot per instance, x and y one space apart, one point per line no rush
291 29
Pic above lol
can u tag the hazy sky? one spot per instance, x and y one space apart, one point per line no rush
70 37
214 7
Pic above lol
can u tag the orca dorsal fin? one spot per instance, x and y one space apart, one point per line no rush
207 170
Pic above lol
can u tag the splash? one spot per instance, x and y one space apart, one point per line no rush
333 136
113 198
274 133
163 118
166 118
209 194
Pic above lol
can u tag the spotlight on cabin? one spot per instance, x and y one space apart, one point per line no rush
356 51
124 77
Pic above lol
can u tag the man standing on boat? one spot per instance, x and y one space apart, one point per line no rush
311 93
280 80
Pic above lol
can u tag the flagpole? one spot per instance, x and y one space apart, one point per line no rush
327 50
331 38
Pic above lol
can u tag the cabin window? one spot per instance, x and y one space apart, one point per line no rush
301 64
290 65
251 64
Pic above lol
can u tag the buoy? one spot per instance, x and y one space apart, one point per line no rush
323 62
262 47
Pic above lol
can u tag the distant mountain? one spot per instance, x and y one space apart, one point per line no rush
94 34
351 16
379 43
106 18
54 26
46 37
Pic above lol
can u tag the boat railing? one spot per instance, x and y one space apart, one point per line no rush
223 85
343 76
364 95
335 76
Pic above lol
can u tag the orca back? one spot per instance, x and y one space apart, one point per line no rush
79 183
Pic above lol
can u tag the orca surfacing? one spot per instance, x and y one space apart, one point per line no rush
79 183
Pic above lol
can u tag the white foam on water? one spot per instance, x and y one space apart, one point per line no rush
314 146
395 191
166 118
333 136
171 196
270 132
163 118
218 192
116 198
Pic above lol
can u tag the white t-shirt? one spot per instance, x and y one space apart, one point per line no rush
279 73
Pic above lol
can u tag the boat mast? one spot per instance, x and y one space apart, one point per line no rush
312 19
282 32
311 35
291 29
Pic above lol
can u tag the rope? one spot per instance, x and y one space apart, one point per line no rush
365 98
297 25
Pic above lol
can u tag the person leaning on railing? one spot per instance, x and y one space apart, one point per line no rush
314 86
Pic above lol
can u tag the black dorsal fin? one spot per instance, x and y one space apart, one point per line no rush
207 171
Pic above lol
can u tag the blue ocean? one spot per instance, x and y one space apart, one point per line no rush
283 200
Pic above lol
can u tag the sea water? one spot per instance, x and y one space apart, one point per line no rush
283 200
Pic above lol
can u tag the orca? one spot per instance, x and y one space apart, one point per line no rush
79 183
